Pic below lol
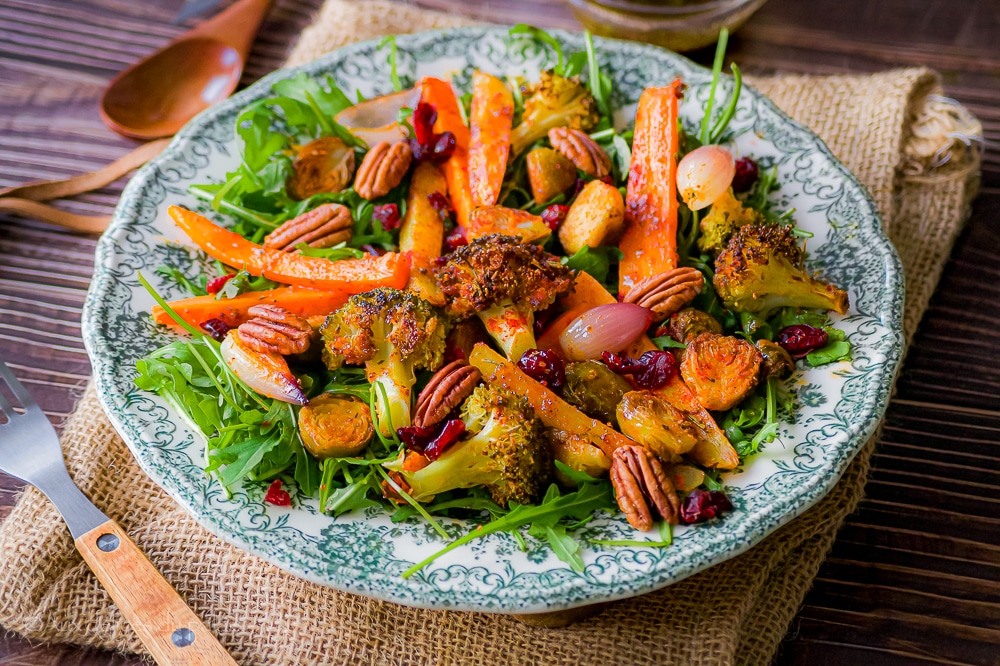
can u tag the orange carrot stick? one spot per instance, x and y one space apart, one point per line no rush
456 167
490 122
650 239
353 276
302 301
422 231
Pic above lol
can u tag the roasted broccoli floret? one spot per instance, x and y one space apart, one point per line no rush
555 102
505 282
506 453
393 333
726 216
761 271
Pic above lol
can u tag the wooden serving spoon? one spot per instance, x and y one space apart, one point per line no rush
158 95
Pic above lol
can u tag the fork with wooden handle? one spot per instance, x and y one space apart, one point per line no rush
29 450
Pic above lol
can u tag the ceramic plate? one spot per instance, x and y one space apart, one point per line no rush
363 552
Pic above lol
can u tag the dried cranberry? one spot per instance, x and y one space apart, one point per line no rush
387 215
215 285
545 367
702 505
277 495
580 183
439 202
453 353
449 434
419 150
554 215
216 328
543 317
424 117
746 174
444 146
800 339
607 180
432 440
652 370
456 239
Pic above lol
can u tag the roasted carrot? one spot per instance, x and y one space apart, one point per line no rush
302 301
490 122
713 448
508 221
456 168
650 239
549 339
353 276
422 231
553 411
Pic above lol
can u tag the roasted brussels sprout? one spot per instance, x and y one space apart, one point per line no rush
777 363
688 324
323 165
656 424
549 174
720 369
595 390
577 453
335 426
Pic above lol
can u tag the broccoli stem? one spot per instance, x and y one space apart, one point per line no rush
392 397
512 327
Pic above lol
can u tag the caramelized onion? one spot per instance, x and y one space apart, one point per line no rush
611 327
375 120
704 175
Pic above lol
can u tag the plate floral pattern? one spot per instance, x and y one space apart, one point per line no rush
839 406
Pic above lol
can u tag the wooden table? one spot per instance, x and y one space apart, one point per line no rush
915 574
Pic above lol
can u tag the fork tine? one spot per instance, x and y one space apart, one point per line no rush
16 388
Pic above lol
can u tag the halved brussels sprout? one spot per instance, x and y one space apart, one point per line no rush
656 425
721 370
596 391
335 426
323 165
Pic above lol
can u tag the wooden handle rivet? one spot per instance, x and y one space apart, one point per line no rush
107 542
182 637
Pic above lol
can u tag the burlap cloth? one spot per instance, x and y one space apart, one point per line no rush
906 144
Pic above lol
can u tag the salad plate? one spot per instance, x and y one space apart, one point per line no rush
838 408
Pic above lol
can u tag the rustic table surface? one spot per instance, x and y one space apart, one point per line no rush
915 574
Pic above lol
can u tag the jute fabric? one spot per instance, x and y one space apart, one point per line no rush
906 144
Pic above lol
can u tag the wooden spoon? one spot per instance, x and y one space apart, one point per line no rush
158 95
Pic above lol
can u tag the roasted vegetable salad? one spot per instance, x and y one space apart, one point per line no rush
492 304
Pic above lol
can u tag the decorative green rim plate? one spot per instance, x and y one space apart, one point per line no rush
840 405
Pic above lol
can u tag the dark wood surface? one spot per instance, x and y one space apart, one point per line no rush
914 576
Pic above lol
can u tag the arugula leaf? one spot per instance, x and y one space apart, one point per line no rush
333 253
598 82
393 72
791 316
172 274
833 351
666 538
540 35
243 282
720 55
591 497
596 261
667 342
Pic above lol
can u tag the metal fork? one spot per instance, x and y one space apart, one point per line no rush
29 450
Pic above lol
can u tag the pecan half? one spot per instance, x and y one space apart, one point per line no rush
444 392
576 146
639 480
667 292
275 330
321 227
382 169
